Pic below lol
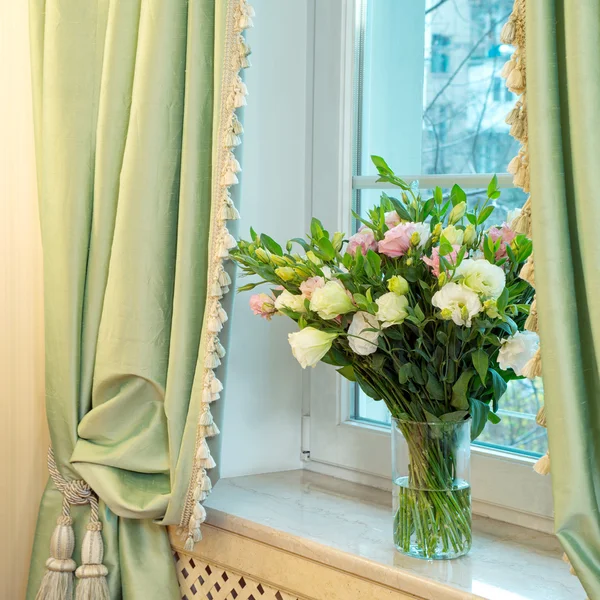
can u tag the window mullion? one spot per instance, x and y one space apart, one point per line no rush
479 180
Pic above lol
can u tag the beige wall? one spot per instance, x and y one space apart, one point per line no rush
23 436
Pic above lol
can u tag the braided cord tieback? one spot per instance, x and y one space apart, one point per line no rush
57 583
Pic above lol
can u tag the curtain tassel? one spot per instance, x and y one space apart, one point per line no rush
522 223
540 418
542 466
507 35
92 573
57 583
531 324
528 272
533 368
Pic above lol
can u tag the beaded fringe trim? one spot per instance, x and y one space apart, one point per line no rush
234 92
515 73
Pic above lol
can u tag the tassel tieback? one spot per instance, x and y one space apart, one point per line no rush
57 583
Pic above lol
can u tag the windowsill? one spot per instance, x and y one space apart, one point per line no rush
348 527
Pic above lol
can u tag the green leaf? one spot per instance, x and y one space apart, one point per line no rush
479 415
493 418
400 209
445 247
302 243
492 186
434 387
455 416
336 358
374 261
347 372
431 418
326 248
442 337
419 313
498 386
367 388
381 165
417 375
271 245
404 372
457 195
253 235
471 218
502 301
480 362
484 215
316 228
459 390
377 361
248 286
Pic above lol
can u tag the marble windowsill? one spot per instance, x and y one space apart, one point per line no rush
348 527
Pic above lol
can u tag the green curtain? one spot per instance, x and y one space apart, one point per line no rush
126 99
563 96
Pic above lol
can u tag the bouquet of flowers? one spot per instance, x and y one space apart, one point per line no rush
424 309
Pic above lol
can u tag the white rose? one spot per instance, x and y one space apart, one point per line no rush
518 350
457 303
424 231
310 345
331 300
291 302
392 309
483 277
454 235
363 342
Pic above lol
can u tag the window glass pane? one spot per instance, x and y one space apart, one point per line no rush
429 96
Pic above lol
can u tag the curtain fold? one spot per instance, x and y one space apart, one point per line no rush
563 41
128 106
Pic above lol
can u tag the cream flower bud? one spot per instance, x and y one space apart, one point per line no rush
454 235
285 273
361 337
391 309
398 285
262 255
331 300
291 302
415 239
491 309
310 345
470 236
313 258
457 213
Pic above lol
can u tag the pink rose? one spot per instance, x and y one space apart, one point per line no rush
396 241
434 262
506 234
310 285
263 305
392 219
363 239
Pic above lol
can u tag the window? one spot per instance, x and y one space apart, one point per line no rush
415 81
462 111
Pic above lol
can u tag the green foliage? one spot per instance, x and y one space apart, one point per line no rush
426 366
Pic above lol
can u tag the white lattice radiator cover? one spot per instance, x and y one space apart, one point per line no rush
199 580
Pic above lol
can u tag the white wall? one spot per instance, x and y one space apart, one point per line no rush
264 387
23 432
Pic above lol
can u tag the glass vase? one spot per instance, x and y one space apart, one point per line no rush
432 493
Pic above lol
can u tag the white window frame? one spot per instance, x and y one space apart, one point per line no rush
504 486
